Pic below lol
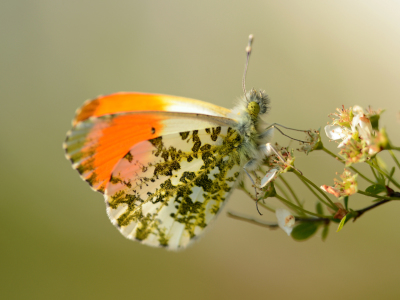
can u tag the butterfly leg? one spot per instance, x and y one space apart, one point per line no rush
247 165
275 126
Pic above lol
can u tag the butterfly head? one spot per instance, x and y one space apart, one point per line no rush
257 102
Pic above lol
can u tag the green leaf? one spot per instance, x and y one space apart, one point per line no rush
318 208
342 222
271 192
304 230
325 232
374 121
375 189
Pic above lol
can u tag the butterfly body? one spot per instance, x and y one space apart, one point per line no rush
165 164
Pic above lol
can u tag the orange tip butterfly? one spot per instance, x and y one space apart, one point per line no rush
166 164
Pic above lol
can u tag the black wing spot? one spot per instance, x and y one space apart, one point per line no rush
184 135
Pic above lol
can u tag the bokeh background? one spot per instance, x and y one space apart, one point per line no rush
310 56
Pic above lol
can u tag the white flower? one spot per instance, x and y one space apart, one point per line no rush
271 175
285 220
336 132
362 124
359 125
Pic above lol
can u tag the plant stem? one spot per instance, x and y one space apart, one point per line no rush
373 172
325 220
391 175
312 191
383 173
330 204
287 197
377 196
252 221
361 211
291 191
394 158
243 188
288 203
343 162
283 191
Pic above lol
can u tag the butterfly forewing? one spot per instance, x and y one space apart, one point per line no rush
134 102
96 144
166 190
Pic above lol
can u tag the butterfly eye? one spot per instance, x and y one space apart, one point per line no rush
253 108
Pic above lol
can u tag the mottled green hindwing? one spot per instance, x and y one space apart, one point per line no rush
165 191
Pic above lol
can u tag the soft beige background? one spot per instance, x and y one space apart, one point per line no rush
310 56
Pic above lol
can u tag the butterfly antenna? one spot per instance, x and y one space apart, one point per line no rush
248 52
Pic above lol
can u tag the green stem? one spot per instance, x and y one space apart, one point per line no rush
291 191
252 221
383 173
391 175
330 204
243 188
394 158
377 196
373 172
282 190
343 162
325 220
290 204
312 191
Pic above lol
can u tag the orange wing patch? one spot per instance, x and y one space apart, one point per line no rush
120 102
130 102
96 145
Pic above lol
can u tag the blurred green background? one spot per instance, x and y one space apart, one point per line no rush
310 56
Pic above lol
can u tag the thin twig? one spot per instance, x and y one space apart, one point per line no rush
394 158
383 173
343 162
291 191
252 221
330 204
302 209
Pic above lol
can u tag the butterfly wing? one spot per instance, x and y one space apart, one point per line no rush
104 129
165 191
128 102
152 199
96 144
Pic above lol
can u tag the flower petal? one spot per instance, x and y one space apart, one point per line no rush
330 190
336 132
345 141
358 110
271 174
285 220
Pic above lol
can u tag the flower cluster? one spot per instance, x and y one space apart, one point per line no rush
348 186
358 133
278 161
359 139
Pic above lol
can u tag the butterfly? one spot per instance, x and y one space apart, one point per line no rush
165 164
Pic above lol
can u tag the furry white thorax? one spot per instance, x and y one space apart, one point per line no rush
248 113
